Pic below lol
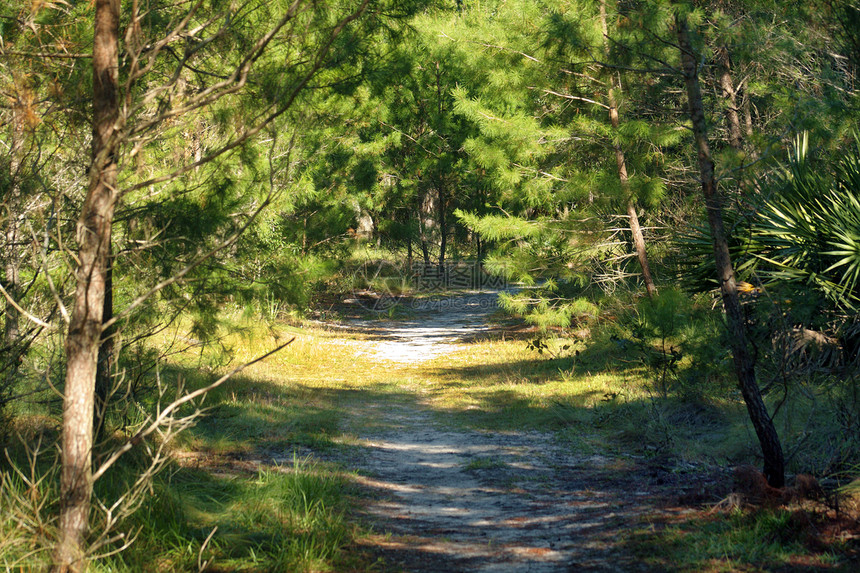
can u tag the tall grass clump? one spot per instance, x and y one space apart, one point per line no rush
29 500
280 518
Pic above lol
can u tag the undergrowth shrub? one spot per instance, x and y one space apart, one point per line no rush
677 340
29 499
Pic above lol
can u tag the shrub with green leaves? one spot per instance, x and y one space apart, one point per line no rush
678 340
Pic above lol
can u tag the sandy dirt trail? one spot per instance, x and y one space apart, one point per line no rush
438 327
457 500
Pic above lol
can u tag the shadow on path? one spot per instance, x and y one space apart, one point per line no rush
498 502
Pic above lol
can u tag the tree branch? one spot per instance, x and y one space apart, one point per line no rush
165 414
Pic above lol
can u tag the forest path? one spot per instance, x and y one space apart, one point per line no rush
435 327
451 499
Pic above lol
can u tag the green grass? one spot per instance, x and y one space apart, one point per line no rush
225 501
598 393
280 518
752 540
287 518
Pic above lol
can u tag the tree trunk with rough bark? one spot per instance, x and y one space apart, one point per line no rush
733 122
635 229
85 326
104 368
774 465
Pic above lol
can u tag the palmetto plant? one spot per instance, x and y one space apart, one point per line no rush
808 231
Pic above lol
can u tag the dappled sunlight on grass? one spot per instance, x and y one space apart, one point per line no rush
315 399
300 395
317 395
285 518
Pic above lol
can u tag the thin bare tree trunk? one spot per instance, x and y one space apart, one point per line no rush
443 228
733 122
774 465
426 222
409 249
440 183
13 206
85 326
748 122
635 229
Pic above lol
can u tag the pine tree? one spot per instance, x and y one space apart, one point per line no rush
545 138
131 109
774 464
